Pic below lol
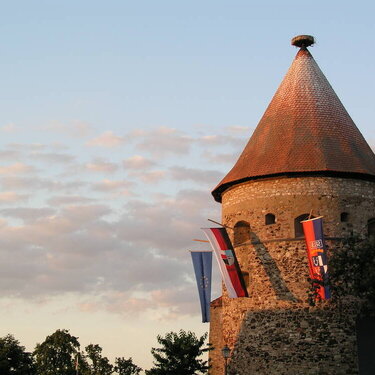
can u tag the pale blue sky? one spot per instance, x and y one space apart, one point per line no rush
117 120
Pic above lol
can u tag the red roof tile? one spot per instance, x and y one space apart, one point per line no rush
305 129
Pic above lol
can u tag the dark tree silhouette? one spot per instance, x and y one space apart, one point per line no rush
13 358
126 367
180 354
57 354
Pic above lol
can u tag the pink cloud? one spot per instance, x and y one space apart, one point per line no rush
138 162
16 168
99 165
107 139
11 197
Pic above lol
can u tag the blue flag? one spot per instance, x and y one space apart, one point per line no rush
202 262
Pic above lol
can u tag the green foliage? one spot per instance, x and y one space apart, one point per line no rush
179 354
352 271
13 358
57 354
99 365
81 364
126 367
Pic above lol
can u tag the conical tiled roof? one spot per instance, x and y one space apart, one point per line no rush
305 130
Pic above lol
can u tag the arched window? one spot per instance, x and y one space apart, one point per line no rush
241 232
371 227
298 230
270 219
344 217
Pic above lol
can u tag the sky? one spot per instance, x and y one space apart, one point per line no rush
117 120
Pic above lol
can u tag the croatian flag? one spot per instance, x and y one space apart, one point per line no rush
226 258
202 262
316 254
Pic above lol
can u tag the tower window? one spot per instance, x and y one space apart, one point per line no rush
270 219
241 232
371 227
344 217
298 229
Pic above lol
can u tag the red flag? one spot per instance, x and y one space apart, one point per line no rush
227 261
316 253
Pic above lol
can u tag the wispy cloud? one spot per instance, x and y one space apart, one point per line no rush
107 139
73 129
221 158
28 214
197 175
138 162
100 165
53 157
162 141
107 185
69 200
9 128
16 168
11 197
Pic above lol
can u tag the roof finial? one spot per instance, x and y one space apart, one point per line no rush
303 41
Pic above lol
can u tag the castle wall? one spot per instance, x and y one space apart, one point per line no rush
275 331
216 336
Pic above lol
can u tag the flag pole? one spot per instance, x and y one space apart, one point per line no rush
310 214
200 251
223 225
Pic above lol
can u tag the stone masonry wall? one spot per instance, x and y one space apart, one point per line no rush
275 331
216 336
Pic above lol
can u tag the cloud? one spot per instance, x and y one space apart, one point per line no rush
100 165
138 162
107 139
53 157
75 129
112 185
221 158
221 140
27 214
35 183
238 129
152 176
162 141
9 128
25 147
127 255
135 264
69 200
11 197
169 224
10 155
199 176
16 168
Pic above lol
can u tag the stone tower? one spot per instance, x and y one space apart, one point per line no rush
305 154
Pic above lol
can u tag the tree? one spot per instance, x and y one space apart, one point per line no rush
179 354
99 365
126 367
57 354
13 358
81 364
